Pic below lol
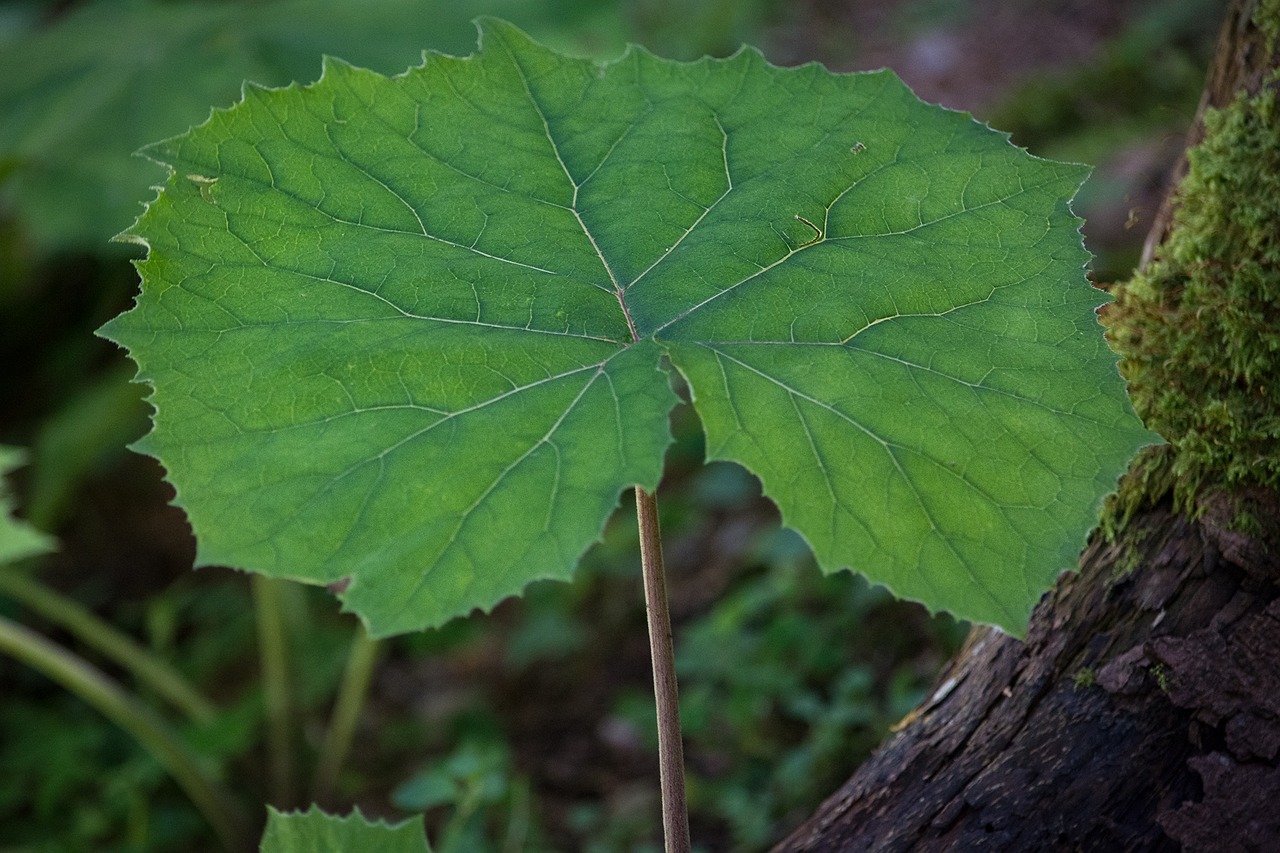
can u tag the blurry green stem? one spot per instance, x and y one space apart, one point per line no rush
675 811
453 834
142 664
273 657
95 688
361 662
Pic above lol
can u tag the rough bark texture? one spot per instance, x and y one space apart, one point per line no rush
1143 710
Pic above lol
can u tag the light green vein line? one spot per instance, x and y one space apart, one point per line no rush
466 515
822 466
449 418
605 159
724 154
403 313
436 158
979 387
790 253
321 321
361 225
889 449
555 149
478 406
974 386
952 215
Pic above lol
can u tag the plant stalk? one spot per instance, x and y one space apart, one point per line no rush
675 809
273 657
95 688
146 667
362 659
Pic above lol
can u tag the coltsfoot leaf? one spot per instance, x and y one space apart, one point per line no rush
410 332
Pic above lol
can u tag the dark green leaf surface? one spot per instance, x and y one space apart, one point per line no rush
316 832
410 331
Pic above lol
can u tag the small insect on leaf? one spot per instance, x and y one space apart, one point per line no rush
817 232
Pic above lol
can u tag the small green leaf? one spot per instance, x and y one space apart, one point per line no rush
411 332
317 832
18 540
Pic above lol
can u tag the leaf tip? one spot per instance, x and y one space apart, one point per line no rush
492 26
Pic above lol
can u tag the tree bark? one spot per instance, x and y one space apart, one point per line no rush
1143 710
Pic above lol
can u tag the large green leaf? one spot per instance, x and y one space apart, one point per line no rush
316 832
410 332
80 96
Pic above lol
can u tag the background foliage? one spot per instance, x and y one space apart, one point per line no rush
529 729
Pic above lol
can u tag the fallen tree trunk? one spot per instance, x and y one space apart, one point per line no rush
1143 710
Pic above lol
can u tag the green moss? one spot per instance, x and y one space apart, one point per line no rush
1199 328
1150 477
1267 19
1246 521
1084 678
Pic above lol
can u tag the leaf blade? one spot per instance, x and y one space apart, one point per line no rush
415 312
936 380
348 387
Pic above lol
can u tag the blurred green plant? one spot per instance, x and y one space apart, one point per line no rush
195 755
83 91
82 94
487 802
18 541
787 682
1148 77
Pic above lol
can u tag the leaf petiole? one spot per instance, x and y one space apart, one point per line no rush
675 810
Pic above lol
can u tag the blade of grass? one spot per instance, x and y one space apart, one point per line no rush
277 692
362 660
146 667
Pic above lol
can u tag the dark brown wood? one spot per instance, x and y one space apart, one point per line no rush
1158 662
1143 710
